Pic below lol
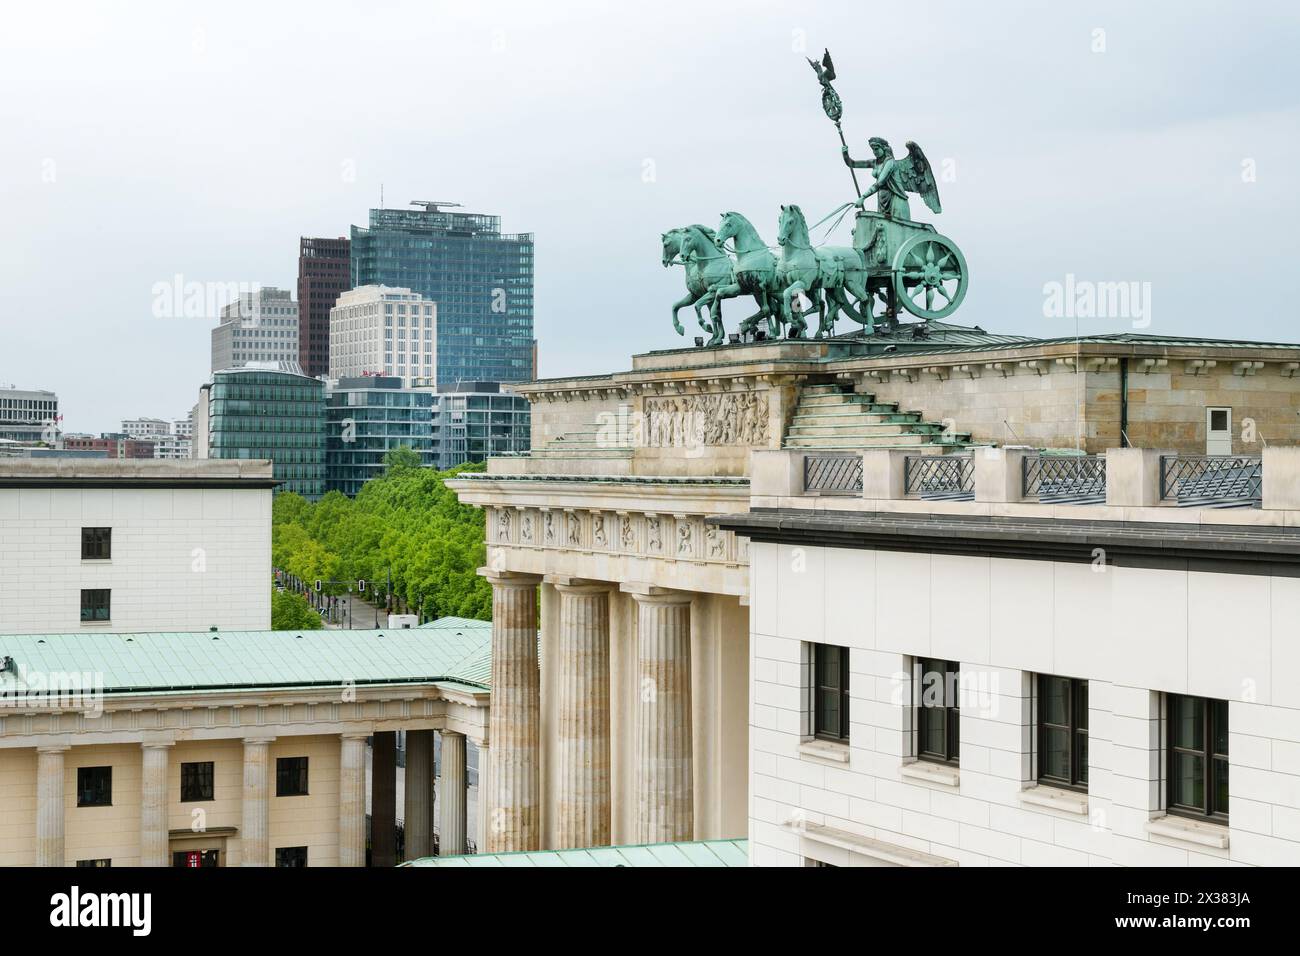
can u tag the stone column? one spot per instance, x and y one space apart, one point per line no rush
419 793
153 804
352 800
482 817
665 797
49 806
255 830
383 800
514 779
451 838
583 813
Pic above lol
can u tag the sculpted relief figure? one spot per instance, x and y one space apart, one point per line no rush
575 528
598 529
653 539
713 418
503 525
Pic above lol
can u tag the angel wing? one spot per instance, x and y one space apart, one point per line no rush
917 177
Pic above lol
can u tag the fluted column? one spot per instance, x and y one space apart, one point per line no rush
383 799
665 798
352 800
583 813
482 815
153 804
255 830
451 837
418 823
514 821
49 806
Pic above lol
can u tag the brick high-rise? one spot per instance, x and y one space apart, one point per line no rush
324 273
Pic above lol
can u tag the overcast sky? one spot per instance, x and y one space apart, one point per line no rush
1154 142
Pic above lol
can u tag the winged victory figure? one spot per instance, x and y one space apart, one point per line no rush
895 178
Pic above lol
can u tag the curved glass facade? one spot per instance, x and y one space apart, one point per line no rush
258 413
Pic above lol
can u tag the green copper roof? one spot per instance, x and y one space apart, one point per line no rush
708 853
449 650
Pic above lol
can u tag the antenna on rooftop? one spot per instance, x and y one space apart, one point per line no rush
434 205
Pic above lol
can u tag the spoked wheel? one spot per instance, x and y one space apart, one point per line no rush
930 276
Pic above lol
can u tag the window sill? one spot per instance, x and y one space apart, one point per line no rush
1055 798
866 846
922 771
824 750
96 623
1190 831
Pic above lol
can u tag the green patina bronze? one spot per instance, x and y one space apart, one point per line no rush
895 262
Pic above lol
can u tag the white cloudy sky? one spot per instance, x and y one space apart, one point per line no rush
146 140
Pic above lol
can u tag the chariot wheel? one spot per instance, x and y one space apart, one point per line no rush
930 276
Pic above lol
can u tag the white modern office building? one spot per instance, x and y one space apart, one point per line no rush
380 330
995 670
146 429
29 415
93 545
259 326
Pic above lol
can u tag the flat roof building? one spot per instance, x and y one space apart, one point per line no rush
324 273
257 327
368 417
378 330
268 413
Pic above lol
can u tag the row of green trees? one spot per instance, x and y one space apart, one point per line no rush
407 522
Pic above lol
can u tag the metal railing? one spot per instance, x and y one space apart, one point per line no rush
1064 479
832 474
939 476
1222 481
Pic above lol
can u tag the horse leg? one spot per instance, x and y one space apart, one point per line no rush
797 324
719 333
677 307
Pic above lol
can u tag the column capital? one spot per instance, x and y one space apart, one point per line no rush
510 579
355 734
157 744
254 739
53 748
451 733
570 585
651 594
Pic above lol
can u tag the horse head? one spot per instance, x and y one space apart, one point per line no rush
792 227
672 240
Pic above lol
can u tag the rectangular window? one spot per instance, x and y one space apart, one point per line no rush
291 777
1197 754
937 710
830 692
95 863
95 604
194 859
1063 732
196 781
291 856
96 544
94 786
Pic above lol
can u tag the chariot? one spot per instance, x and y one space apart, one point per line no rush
909 265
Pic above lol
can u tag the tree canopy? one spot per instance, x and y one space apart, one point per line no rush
407 521
291 612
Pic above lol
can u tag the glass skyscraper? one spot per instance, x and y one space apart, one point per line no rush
480 278
366 418
260 413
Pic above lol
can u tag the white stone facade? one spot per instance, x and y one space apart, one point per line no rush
379 330
190 545
1136 634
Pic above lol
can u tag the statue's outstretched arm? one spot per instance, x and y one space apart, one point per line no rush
855 163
